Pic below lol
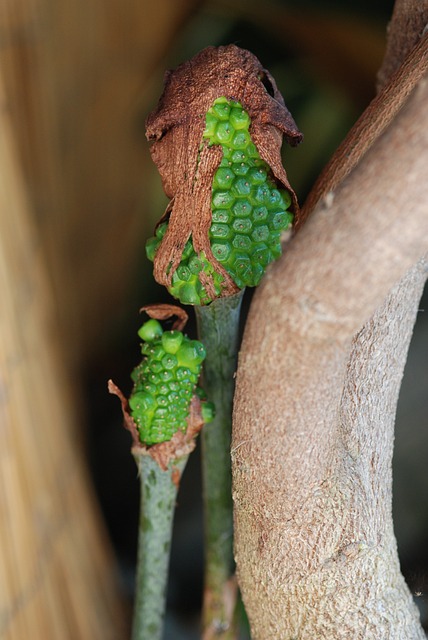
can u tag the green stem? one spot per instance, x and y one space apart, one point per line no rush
218 329
158 498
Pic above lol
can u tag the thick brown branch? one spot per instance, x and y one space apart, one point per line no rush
365 236
370 125
409 19
312 448
314 405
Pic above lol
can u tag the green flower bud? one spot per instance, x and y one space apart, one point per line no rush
171 341
164 382
142 402
248 211
191 354
150 330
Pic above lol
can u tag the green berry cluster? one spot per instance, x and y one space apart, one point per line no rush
186 285
165 382
248 212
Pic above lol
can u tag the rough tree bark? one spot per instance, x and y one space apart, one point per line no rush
317 387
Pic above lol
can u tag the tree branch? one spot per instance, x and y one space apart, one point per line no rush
313 422
409 19
375 119
336 272
315 549
362 238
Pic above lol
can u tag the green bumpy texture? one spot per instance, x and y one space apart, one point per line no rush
248 212
164 383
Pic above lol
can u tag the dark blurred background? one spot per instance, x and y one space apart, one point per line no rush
101 68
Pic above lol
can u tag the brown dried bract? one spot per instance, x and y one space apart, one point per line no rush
165 311
127 418
164 453
185 161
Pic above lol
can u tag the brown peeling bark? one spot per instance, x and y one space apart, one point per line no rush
185 161
317 385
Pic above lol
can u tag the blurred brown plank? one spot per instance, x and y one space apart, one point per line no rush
56 571
78 75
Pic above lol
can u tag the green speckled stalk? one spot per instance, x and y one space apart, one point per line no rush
218 328
158 498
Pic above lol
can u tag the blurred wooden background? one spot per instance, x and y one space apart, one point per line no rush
78 198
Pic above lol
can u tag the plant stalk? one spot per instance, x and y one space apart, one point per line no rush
218 329
158 498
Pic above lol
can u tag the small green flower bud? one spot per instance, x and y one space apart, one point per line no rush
191 354
150 330
142 402
171 341
164 382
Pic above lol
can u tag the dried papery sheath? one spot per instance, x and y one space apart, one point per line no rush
216 139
